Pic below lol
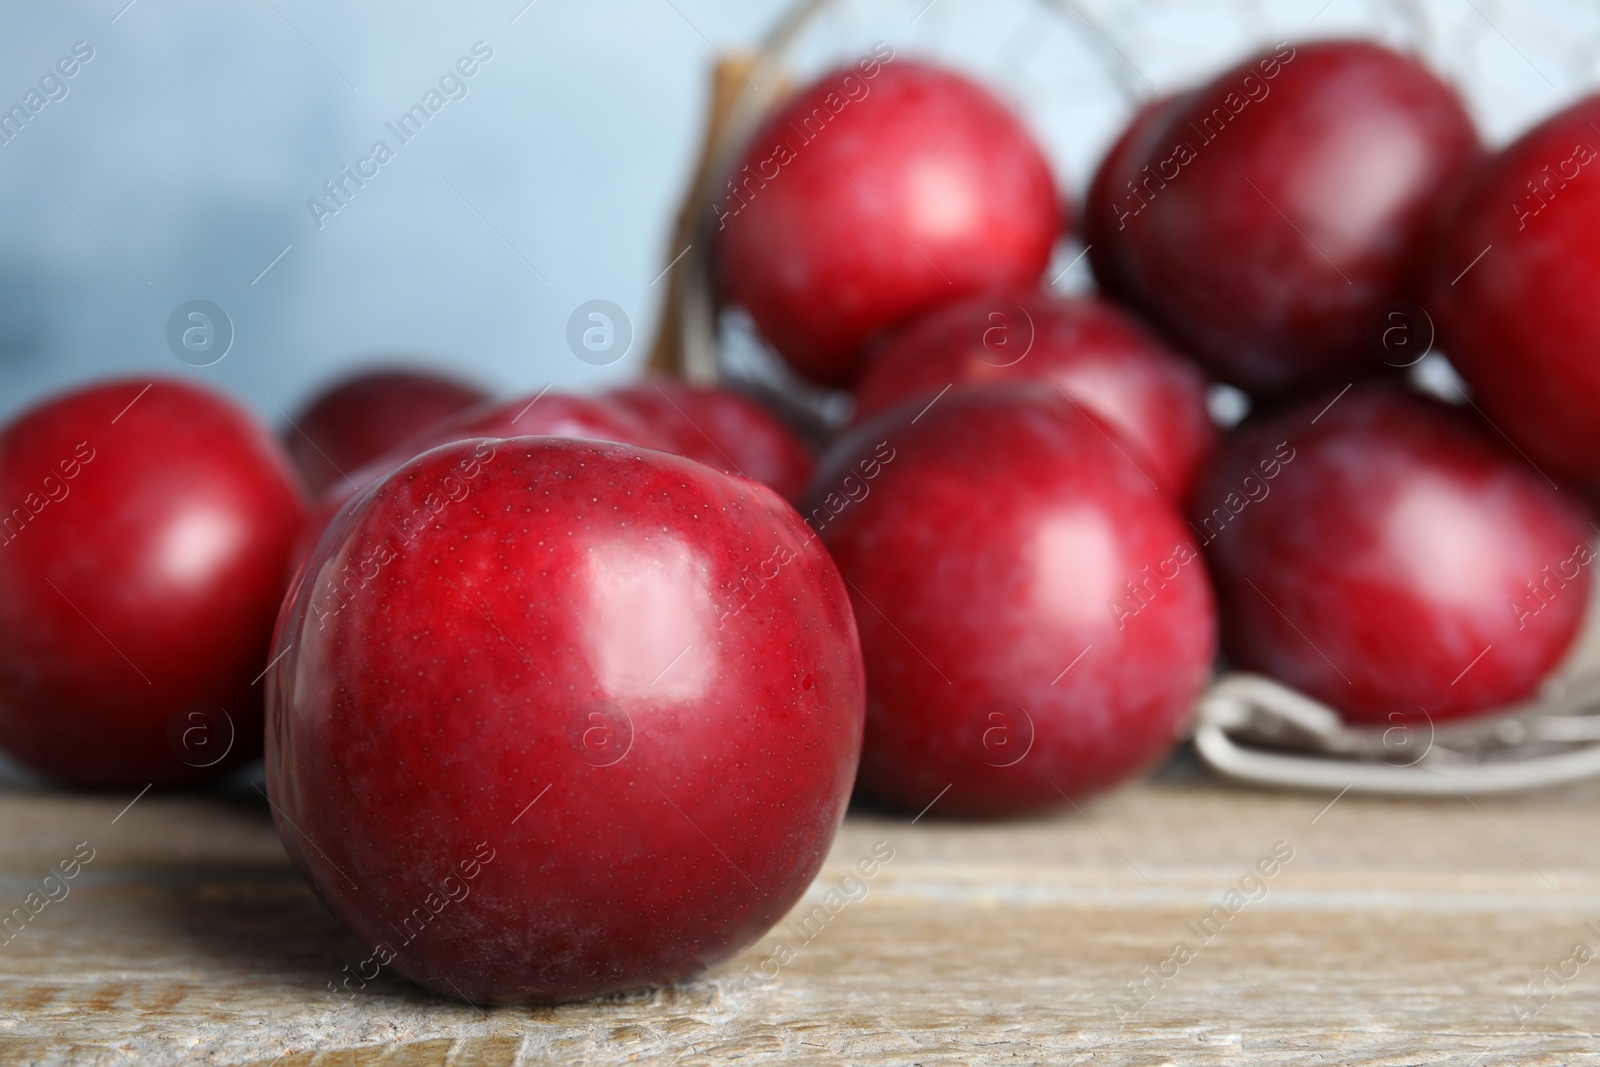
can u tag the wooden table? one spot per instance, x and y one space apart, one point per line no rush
1398 933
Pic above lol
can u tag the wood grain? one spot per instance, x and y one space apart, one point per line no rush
1398 933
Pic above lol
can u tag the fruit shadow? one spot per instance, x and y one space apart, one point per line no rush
258 922
1181 767
263 926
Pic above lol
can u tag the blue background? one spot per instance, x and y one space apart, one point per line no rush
179 164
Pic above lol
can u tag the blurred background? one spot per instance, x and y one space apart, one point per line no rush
185 157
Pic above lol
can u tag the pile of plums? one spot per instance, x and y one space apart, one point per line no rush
562 695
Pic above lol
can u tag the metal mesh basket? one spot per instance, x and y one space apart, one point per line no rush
1076 70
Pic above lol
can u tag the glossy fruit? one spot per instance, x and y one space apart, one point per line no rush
1035 618
876 193
725 429
1515 288
1151 399
1277 209
1102 222
1387 558
142 561
358 419
558 718
544 414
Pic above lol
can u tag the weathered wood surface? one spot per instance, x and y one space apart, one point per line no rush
1399 933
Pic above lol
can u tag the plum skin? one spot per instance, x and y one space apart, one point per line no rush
137 601
1035 617
1369 553
877 193
1515 282
658 657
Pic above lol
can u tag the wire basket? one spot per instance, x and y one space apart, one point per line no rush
1076 70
